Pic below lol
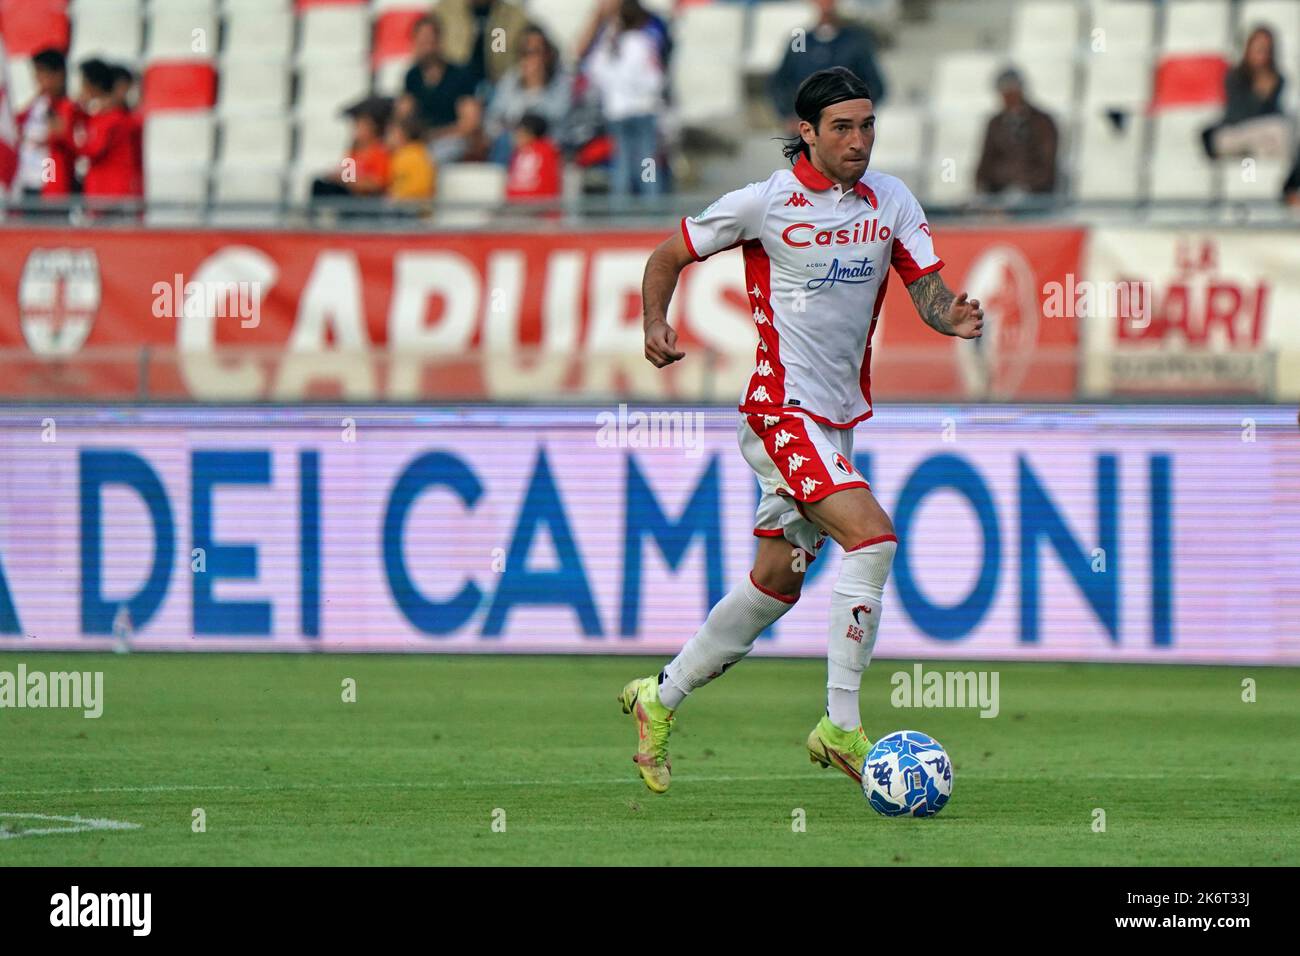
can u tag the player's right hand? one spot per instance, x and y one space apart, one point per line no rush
661 344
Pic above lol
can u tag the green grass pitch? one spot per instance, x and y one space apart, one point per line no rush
436 748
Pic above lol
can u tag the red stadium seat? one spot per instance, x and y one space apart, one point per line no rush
178 85
393 35
34 25
1188 81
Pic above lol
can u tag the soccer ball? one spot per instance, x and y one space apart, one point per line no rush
907 772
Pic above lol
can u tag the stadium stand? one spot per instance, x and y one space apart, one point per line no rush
242 98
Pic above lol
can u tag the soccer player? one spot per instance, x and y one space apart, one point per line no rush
818 239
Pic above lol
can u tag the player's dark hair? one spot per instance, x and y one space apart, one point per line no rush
820 90
50 59
98 74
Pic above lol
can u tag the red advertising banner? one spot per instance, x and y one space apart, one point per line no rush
240 316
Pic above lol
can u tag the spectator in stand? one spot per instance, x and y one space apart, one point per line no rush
536 84
1252 122
107 138
1019 155
625 69
364 172
412 176
47 152
123 84
470 39
441 95
536 172
831 42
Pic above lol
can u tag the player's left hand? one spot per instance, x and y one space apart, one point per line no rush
966 318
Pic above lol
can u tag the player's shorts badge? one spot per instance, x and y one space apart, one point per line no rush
842 464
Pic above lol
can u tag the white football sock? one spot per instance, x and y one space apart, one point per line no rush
855 617
726 636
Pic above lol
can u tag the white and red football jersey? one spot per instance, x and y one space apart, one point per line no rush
817 262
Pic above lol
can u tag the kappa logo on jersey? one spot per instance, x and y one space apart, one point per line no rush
770 420
798 199
842 464
764 368
807 486
760 395
759 317
782 438
796 461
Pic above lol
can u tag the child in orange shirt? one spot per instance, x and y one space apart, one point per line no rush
412 174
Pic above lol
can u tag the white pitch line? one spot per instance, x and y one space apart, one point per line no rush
79 825
574 782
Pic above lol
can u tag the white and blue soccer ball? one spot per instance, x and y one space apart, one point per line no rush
907 773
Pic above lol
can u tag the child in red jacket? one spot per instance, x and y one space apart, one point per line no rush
536 171
108 141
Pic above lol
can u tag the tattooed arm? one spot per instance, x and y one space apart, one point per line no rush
945 312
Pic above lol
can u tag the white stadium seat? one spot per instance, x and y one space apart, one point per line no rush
1115 81
325 86
900 141
954 155
772 32
965 81
707 64
1198 26
709 33
390 77
252 141
22 82
182 33
708 94
467 192
1040 27
1109 160
235 183
1122 26
117 6
253 86
322 143
266 6
1179 168
179 138
112 33
253 32
331 33
1049 84
1253 178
